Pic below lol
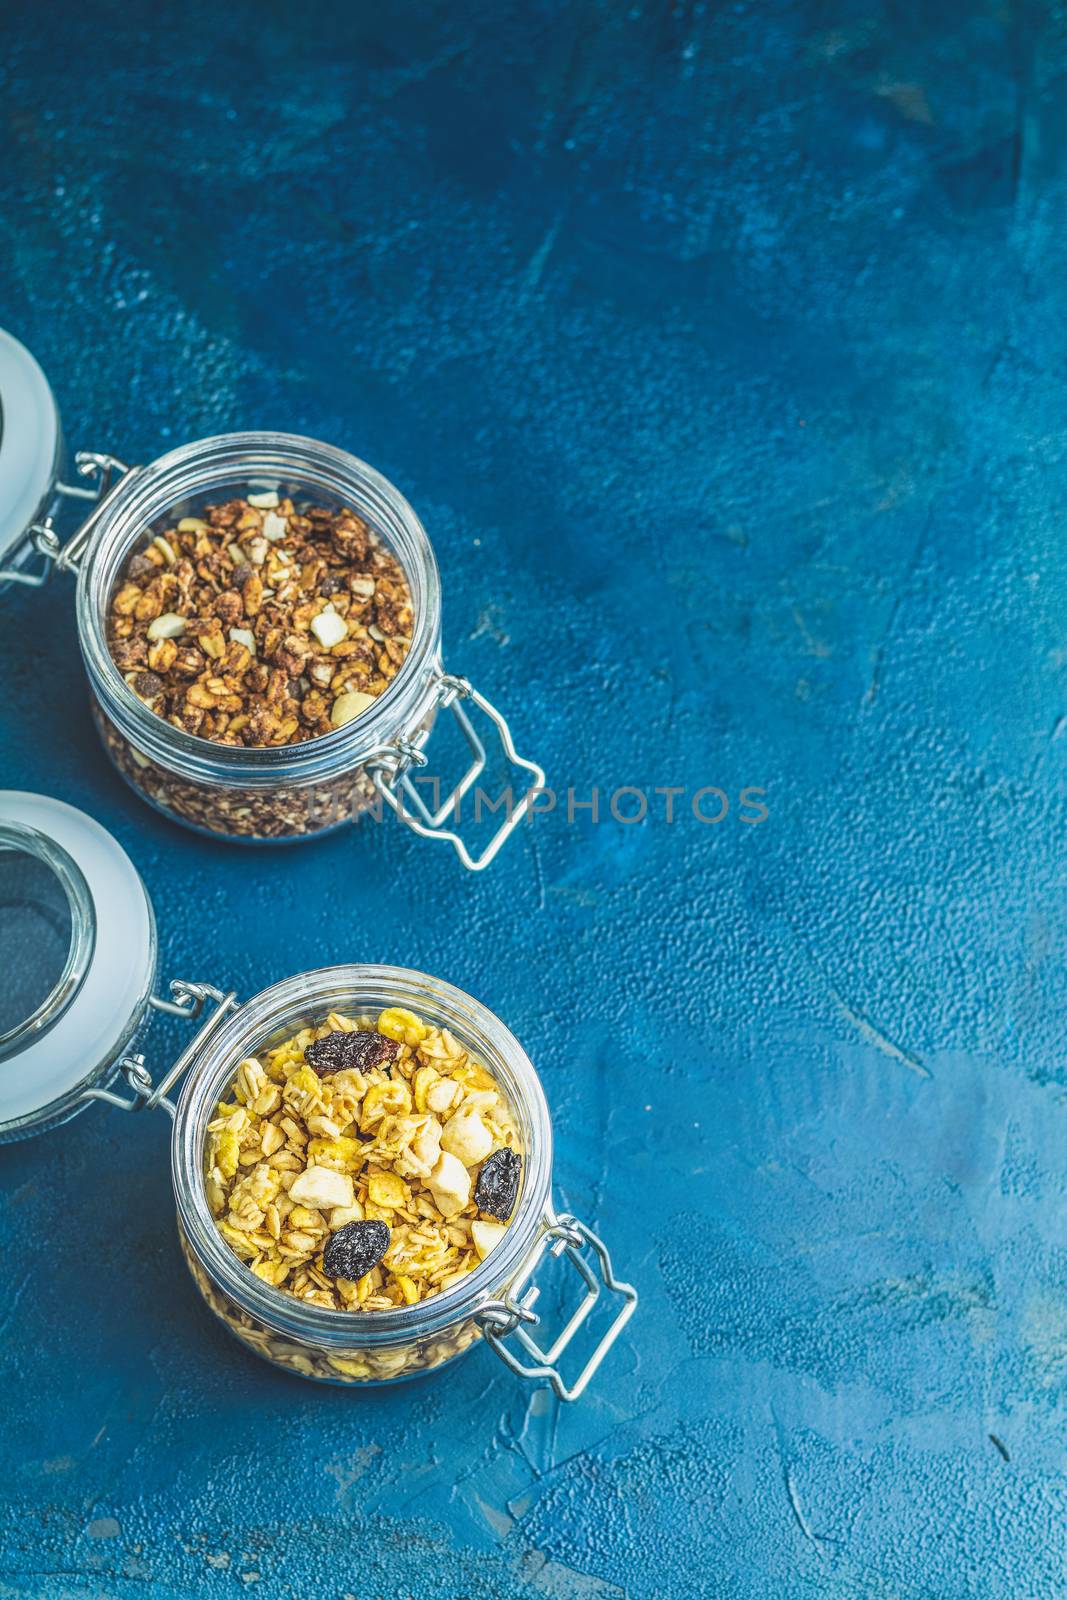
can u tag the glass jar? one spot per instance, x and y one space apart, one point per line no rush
495 1301
254 794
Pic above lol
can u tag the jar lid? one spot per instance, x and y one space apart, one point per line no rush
29 443
78 954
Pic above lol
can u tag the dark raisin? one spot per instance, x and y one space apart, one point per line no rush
140 567
498 1184
333 583
339 1051
354 1249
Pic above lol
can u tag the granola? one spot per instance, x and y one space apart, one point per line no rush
345 1165
285 811
353 1365
261 623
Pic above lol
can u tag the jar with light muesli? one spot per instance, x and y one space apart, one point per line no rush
361 1156
259 617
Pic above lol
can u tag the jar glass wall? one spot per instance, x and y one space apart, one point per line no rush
343 1346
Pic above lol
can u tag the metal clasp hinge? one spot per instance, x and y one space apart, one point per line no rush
391 772
509 1316
188 1000
61 557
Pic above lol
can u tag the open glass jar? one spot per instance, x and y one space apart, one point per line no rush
62 873
253 793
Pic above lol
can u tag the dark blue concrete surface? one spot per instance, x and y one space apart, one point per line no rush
723 351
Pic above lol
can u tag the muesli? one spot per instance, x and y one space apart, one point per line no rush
365 1164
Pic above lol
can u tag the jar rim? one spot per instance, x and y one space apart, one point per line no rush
31 449
147 493
62 1066
358 987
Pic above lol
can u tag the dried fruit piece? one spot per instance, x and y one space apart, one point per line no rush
498 1184
353 1250
336 1052
322 1186
467 1137
486 1236
450 1185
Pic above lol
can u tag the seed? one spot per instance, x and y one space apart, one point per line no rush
353 1250
498 1184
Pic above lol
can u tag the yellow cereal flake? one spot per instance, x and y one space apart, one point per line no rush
227 1152
350 1369
303 1085
386 1189
384 1099
401 1025
421 1083
344 1154
472 1076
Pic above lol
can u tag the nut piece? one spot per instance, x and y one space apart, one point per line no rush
328 628
321 1186
450 1185
467 1138
168 626
264 501
349 706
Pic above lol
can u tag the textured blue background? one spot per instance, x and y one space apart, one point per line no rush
723 352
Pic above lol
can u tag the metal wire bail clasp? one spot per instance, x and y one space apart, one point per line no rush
187 1000
60 557
391 774
502 1318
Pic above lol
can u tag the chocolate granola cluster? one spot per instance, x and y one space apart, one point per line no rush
260 623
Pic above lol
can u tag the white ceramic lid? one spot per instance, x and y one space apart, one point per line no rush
29 443
76 1037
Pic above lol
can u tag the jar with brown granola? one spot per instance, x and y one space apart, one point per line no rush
361 1156
259 616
